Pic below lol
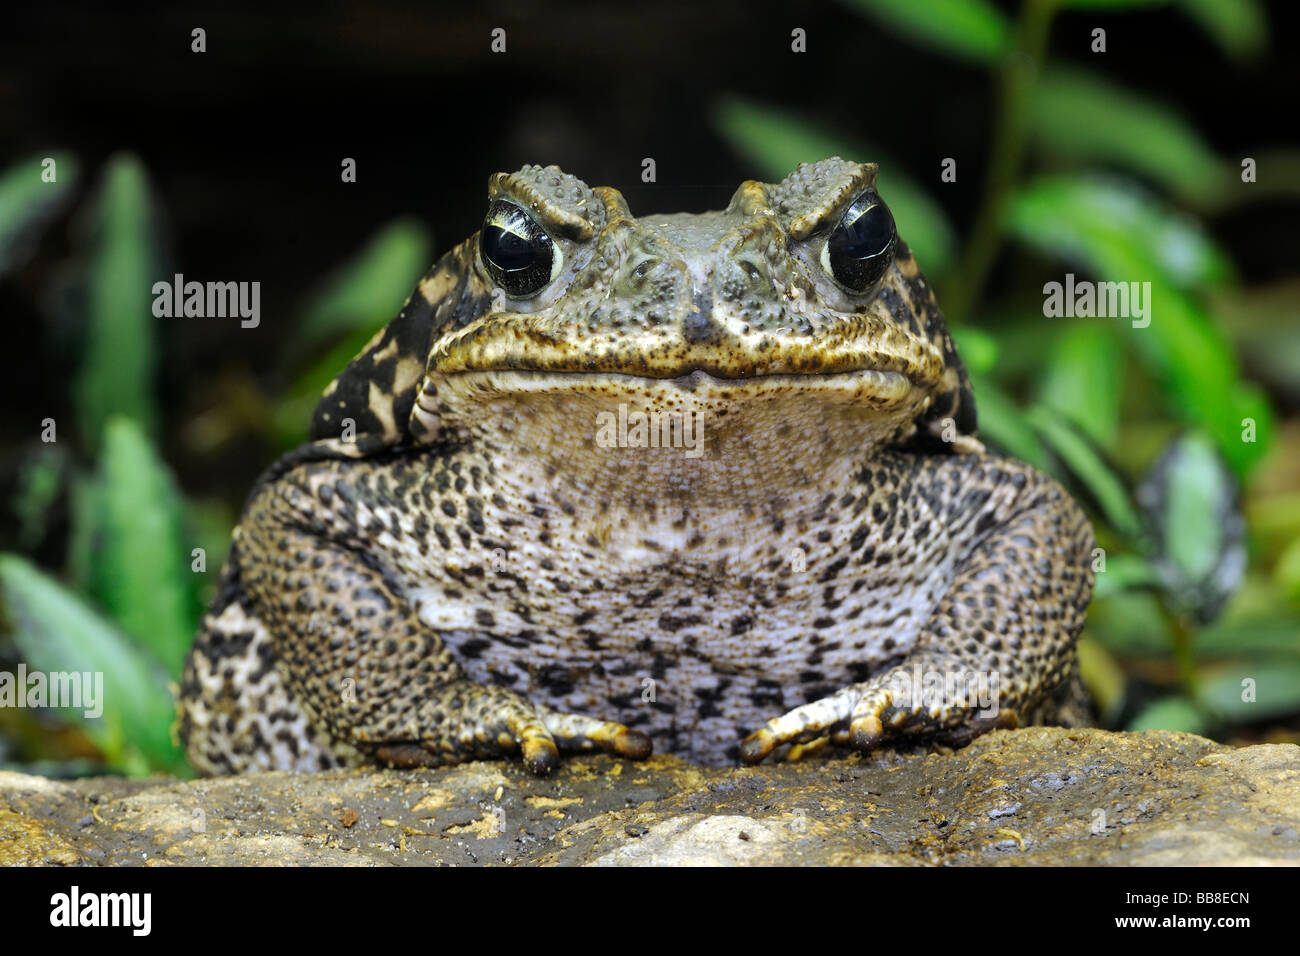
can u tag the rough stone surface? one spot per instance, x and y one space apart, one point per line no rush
1035 796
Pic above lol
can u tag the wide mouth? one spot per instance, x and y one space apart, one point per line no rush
866 346
865 389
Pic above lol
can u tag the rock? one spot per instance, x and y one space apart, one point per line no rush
1034 796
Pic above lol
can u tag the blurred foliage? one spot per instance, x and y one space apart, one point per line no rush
57 630
141 558
121 264
1195 623
29 199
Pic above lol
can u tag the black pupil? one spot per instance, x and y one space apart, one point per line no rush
507 250
516 250
858 247
864 237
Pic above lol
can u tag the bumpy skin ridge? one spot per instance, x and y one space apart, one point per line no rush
472 576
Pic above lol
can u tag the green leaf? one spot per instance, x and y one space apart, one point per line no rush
1082 379
1121 234
1190 501
367 290
1287 573
1003 425
28 203
1125 572
972 29
210 522
56 631
1102 220
1103 677
1129 622
1257 622
1274 685
1098 479
140 566
1023 338
1254 635
1087 118
777 141
1192 492
1240 27
1170 713
977 348
117 368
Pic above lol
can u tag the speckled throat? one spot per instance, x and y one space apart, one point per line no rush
719 449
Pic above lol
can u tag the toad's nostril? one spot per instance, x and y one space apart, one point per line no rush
698 327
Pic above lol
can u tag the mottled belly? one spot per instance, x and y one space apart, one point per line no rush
697 666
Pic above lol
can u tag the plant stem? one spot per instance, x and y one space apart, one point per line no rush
1016 77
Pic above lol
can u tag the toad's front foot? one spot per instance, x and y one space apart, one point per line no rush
468 721
889 707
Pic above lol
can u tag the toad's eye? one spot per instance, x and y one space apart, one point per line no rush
861 246
518 253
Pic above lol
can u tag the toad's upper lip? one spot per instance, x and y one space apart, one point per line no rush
856 343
